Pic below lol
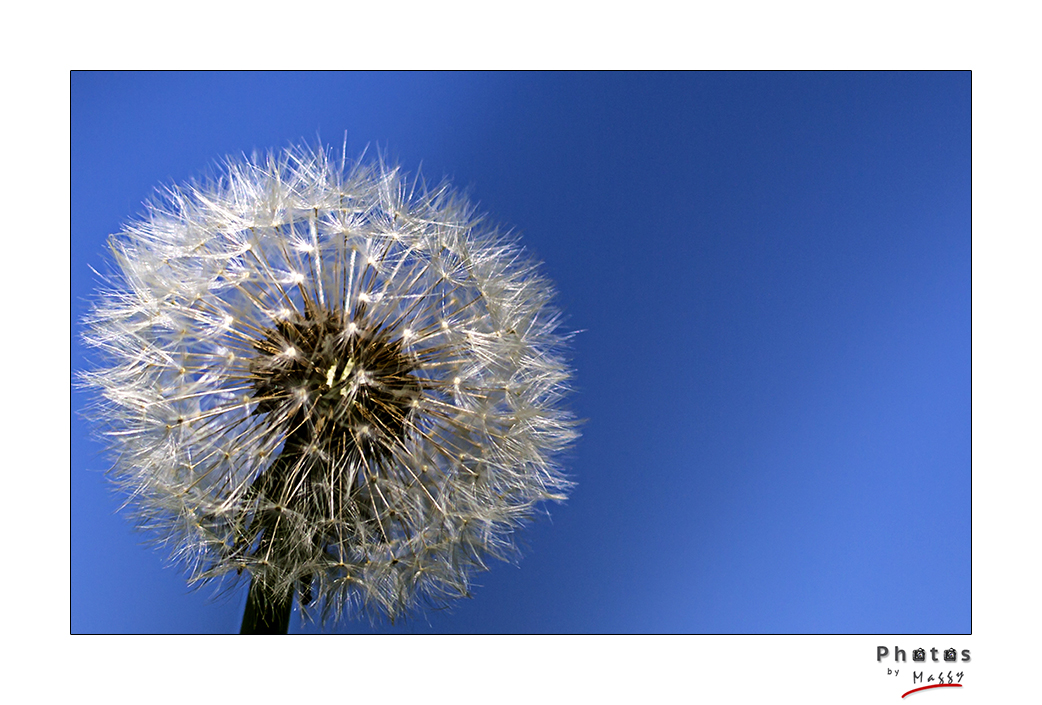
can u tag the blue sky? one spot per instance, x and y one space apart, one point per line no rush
771 273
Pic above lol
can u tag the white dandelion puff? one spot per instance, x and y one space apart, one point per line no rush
336 382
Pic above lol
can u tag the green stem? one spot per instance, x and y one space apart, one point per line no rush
266 613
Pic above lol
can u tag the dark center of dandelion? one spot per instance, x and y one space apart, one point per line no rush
342 388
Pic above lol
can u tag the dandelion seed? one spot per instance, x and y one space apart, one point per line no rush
339 385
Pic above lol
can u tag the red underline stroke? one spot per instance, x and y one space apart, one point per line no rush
935 685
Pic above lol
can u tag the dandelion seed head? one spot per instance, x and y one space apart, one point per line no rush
330 379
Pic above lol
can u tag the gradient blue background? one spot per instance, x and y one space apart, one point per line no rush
772 276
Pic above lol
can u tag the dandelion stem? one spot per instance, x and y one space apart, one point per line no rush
266 613
268 608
